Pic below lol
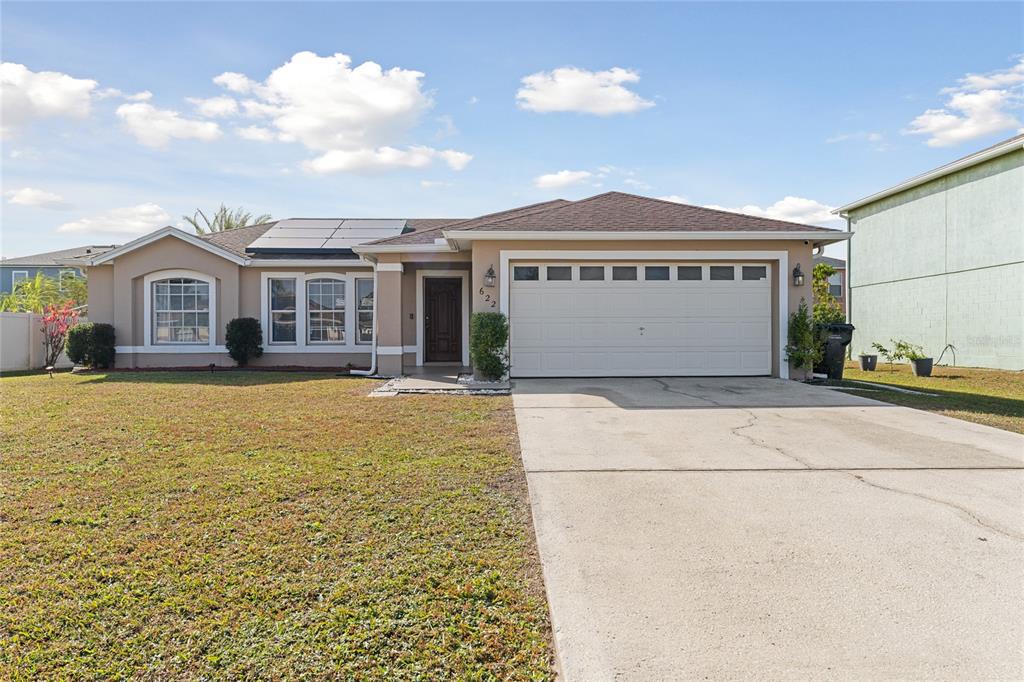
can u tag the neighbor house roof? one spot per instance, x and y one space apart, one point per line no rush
57 258
622 212
837 263
1013 144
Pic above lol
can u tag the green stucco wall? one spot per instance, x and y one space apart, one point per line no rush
943 263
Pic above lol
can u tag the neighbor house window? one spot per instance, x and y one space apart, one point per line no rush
835 285
282 310
181 311
364 311
325 310
18 276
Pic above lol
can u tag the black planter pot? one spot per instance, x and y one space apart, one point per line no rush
922 367
868 362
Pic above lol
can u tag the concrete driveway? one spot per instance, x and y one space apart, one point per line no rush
741 528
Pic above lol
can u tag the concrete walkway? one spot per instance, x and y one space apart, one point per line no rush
759 528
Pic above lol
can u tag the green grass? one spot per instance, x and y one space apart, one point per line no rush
252 525
985 396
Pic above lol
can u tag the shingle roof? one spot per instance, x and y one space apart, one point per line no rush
54 258
236 240
621 212
427 236
838 263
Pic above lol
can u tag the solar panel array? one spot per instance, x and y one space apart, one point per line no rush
324 235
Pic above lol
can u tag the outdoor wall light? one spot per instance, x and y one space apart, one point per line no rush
798 276
489 277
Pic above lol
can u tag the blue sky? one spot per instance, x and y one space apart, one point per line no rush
113 124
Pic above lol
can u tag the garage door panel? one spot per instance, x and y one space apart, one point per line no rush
640 328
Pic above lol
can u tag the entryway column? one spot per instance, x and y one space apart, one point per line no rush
389 318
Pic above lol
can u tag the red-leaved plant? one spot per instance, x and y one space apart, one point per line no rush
57 320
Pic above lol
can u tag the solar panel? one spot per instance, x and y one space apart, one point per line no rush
327 235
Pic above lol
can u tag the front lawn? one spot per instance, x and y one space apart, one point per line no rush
262 525
987 396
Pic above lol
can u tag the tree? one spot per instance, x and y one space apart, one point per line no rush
224 219
33 295
56 322
804 347
826 308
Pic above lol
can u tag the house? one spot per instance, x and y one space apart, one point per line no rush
938 260
836 282
612 285
56 264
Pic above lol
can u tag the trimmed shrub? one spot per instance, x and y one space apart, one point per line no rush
488 340
91 344
244 339
804 348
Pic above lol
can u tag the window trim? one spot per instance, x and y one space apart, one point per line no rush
15 279
344 311
302 344
62 274
148 313
358 309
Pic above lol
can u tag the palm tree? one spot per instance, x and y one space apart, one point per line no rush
224 219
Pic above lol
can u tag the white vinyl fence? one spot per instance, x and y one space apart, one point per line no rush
21 343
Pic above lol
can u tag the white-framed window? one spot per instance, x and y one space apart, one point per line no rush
180 311
835 285
66 275
325 310
281 293
364 310
18 276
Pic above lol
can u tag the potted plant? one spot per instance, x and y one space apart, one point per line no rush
868 361
919 364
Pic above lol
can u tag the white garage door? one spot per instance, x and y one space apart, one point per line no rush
640 319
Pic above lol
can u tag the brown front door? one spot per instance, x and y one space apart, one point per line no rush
442 319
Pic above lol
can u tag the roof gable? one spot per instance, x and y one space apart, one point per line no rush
205 244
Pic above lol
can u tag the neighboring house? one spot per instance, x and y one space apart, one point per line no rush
57 264
613 285
939 259
836 282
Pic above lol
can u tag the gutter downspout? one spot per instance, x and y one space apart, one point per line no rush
373 339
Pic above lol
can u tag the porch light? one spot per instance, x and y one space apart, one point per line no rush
798 276
489 277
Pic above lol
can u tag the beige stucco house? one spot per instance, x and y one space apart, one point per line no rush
613 285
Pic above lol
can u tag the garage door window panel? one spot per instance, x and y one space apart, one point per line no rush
624 273
591 273
656 273
753 273
722 273
526 273
558 273
690 273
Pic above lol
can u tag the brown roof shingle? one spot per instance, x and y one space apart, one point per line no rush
621 212
427 236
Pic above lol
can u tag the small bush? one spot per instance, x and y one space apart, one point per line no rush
804 348
244 339
91 344
488 339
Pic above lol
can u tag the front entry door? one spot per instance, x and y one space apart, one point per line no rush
442 319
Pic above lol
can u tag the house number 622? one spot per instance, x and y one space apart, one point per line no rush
487 298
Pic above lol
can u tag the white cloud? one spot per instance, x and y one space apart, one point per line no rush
108 93
793 209
563 178
357 117
383 158
157 127
215 107
255 134
572 89
36 198
675 198
979 105
132 220
30 95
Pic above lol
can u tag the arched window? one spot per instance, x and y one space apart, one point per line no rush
181 311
